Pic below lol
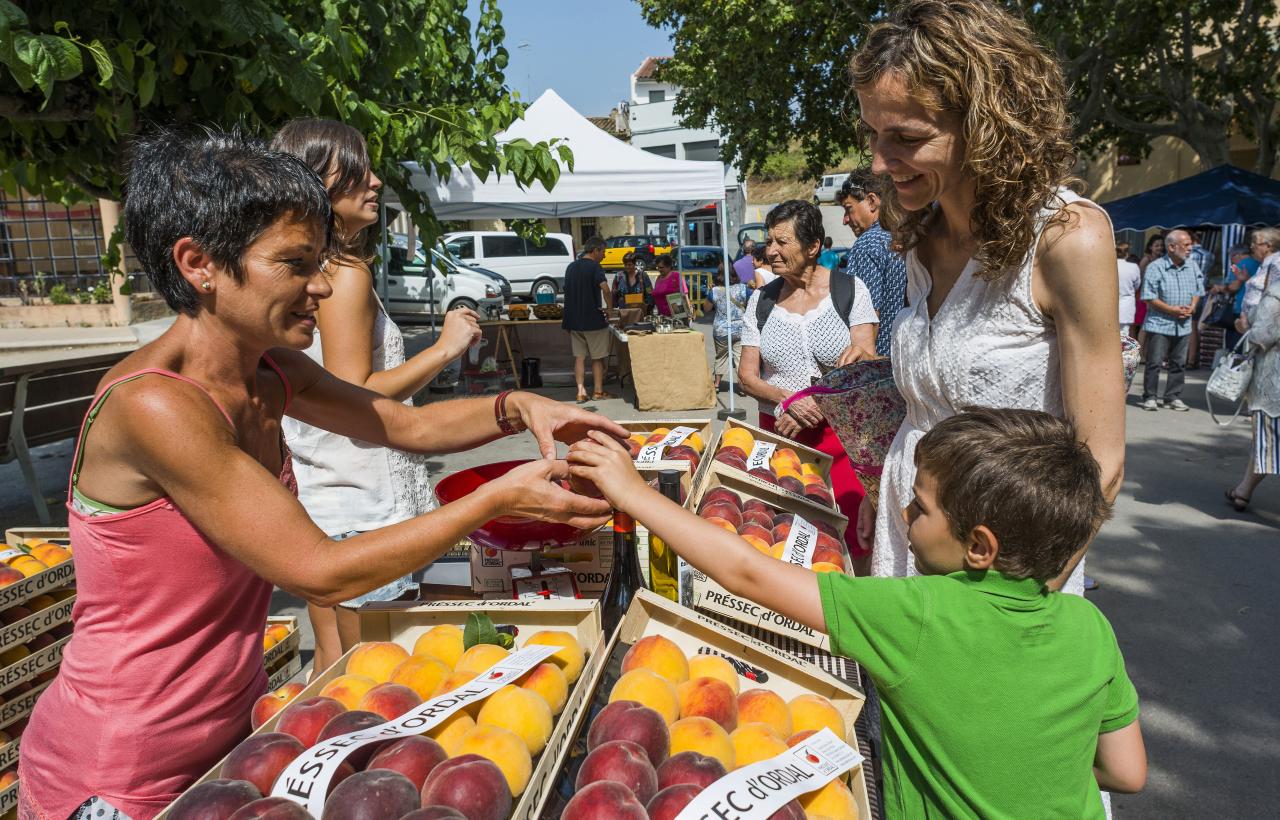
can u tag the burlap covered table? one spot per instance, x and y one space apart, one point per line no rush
670 371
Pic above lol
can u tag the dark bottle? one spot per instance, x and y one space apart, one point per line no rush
625 577
664 572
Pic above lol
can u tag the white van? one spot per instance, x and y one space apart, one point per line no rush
828 187
416 288
529 268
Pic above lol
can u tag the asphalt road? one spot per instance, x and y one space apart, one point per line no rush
1188 584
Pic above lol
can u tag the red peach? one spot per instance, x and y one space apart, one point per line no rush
694 768
669 802
604 800
391 700
718 509
472 784
371 795
351 722
306 718
259 759
756 531
759 518
629 720
622 762
413 757
272 808
214 800
435 813
724 494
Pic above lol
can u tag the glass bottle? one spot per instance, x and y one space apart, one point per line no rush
625 577
664 569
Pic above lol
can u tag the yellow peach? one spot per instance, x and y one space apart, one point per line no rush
348 689
659 654
450 732
705 736
648 689
421 673
548 682
507 751
763 706
833 800
713 666
709 698
753 742
443 641
520 711
376 659
480 657
815 712
570 658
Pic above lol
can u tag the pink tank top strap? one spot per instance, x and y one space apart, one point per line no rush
288 387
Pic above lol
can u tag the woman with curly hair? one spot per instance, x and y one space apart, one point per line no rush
1011 278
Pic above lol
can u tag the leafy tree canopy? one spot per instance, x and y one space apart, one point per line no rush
77 77
767 72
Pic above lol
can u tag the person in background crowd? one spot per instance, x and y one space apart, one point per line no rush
348 486
1263 324
828 259
1154 250
1264 246
669 281
632 282
872 257
728 301
1202 256
1242 266
1011 277
803 336
1130 283
744 266
586 304
1172 288
763 273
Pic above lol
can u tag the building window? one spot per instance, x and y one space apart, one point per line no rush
659 95
586 228
704 150
668 151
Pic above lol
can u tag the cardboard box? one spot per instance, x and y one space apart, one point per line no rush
588 559
696 633
53 578
403 622
819 459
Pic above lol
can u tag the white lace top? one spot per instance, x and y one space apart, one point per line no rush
349 485
795 348
1264 333
988 346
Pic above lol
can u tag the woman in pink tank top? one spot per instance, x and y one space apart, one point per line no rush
182 506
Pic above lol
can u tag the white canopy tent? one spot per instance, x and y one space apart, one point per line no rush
609 178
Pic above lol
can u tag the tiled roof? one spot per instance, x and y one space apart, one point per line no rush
649 67
606 124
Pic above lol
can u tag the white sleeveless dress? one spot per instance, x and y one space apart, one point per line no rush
988 346
349 486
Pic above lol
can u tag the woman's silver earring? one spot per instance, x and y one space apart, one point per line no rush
207 285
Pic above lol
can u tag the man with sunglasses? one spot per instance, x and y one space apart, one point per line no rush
871 258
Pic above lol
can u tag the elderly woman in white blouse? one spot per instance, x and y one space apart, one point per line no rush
802 337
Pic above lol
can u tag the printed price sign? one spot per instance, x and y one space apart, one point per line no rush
762 788
305 781
652 453
760 455
800 543
545 586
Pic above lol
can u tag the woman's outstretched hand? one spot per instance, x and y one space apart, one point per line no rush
551 421
533 491
606 464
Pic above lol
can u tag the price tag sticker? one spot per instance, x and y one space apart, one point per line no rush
652 453
554 584
760 455
801 542
11 552
763 788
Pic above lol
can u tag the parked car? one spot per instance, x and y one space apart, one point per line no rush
646 249
416 288
530 268
698 266
828 187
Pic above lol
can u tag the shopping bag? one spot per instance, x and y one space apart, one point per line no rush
862 404
1230 379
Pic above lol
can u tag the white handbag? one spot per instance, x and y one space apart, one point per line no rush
1230 380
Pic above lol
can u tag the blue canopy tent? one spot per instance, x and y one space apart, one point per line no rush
1223 200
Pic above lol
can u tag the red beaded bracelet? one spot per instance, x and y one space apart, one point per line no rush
500 413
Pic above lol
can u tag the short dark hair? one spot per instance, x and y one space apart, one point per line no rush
1026 476
222 189
593 244
757 253
805 219
629 256
859 183
663 260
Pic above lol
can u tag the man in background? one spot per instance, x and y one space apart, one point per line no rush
1172 288
745 265
871 258
586 301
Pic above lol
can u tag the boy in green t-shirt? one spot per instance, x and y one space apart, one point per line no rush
999 697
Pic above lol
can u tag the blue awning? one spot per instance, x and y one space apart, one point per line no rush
1225 195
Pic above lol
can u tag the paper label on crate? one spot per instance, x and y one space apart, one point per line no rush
652 453
801 542
763 788
305 781
11 552
554 584
760 455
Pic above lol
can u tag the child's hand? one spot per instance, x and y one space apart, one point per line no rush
607 464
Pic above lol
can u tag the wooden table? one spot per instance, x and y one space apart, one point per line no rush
509 341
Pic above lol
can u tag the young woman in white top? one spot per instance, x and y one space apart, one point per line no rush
350 486
1011 278
1130 279
803 337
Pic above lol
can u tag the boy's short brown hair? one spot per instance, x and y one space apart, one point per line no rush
1024 475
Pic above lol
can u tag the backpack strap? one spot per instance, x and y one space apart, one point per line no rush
768 298
842 290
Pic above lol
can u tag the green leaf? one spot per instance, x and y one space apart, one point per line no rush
147 83
11 17
102 60
49 58
479 629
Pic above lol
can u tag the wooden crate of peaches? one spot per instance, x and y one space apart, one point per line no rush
774 463
491 760
685 701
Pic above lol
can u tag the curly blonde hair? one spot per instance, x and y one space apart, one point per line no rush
974 58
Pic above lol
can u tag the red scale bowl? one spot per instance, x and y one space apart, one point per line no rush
508 532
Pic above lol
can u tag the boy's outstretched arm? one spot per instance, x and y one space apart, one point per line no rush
1120 764
736 565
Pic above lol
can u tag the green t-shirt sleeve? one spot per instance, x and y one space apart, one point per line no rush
1122 698
879 622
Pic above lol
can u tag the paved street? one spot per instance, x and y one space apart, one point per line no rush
1187 582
